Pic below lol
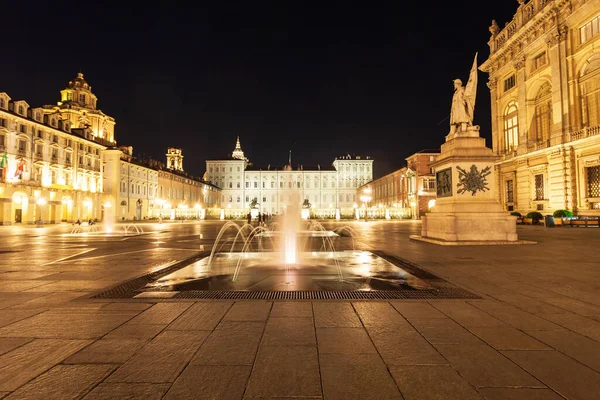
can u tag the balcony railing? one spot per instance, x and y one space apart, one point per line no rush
583 133
524 14
542 144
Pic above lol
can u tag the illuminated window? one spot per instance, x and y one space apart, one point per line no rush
593 181
510 197
589 30
538 61
511 127
591 92
509 83
539 187
543 114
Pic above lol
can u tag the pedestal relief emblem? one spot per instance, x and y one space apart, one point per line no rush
472 180
443 182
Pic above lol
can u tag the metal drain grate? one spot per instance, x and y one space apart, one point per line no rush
441 289
328 295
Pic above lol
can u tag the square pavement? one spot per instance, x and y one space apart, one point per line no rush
534 334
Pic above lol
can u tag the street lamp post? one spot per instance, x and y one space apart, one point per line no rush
366 198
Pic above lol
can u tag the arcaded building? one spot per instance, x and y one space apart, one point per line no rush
544 80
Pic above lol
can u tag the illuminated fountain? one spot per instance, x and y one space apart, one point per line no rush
290 254
108 227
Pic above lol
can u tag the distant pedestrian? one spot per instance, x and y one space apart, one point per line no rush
249 216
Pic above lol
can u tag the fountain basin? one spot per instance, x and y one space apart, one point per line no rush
315 271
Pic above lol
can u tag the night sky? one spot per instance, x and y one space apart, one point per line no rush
321 80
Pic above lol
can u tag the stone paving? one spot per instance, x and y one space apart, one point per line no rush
535 334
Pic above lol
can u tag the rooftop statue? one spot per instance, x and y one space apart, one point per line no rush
463 102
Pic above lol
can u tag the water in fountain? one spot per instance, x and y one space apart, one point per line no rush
289 254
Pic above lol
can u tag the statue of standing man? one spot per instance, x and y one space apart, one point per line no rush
463 102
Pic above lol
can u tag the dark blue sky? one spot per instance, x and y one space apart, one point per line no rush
322 80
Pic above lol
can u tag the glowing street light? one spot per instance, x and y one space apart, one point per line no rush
366 198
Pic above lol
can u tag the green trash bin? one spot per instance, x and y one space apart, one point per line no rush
549 221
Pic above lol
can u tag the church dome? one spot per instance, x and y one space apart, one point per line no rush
79 83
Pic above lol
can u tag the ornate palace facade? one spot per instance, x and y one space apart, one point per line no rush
544 78
61 163
327 189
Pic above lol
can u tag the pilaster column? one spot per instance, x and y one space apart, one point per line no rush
560 97
519 64
496 141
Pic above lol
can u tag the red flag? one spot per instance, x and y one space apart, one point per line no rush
20 167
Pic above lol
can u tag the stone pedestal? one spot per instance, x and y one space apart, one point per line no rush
466 210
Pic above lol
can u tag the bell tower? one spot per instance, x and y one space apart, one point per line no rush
174 159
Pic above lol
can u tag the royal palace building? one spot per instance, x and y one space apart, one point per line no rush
544 78
62 164
330 191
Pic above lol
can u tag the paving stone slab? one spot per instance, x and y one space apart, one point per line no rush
129 391
467 315
202 316
134 306
483 366
8 344
249 311
380 315
344 341
161 360
515 317
427 382
578 323
49 300
135 331
68 286
160 313
528 304
519 394
559 372
406 348
232 343
15 300
210 382
23 285
8 316
444 331
289 332
417 310
107 351
63 382
508 338
85 324
576 306
356 376
335 315
19 366
574 345
295 309
285 371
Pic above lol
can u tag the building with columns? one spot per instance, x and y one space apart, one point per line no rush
62 164
51 165
544 80
328 189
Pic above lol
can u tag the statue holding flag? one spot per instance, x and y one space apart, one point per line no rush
463 103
